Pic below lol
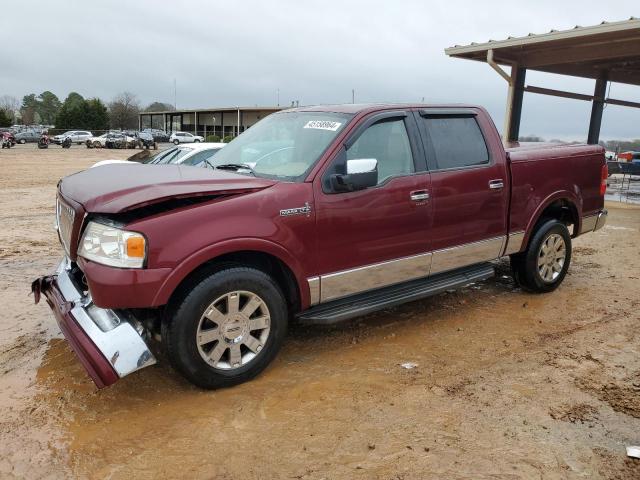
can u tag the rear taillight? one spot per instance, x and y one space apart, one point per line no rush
603 180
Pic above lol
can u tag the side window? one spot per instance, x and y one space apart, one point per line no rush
457 141
386 141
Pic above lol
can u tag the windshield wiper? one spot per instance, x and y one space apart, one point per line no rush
209 164
236 167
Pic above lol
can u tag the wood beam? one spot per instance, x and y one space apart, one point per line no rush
557 93
627 48
622 103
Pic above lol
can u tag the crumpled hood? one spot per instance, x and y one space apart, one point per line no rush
119 188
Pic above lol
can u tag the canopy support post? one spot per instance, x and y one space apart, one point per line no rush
597 107
511 130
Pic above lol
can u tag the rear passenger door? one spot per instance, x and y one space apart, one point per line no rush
468 188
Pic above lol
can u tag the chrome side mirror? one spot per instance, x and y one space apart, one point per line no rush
361 173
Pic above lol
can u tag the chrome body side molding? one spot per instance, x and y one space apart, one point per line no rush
588 223
467 254
357 280
314 290
594 222
514 243
602 220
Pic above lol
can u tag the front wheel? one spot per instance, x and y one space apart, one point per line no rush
22 141
176 142
542 267
226 329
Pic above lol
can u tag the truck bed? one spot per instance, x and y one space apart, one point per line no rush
541 171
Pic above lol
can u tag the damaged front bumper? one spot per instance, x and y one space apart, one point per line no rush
108 343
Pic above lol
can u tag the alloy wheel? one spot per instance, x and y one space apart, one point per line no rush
233 330
551 257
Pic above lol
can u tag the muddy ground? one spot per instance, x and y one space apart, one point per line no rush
508 385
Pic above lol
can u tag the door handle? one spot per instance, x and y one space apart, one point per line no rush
496 184
419 195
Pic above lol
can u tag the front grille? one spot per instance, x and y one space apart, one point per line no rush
65 216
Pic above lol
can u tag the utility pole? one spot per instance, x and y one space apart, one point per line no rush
278 97
175 95
353 95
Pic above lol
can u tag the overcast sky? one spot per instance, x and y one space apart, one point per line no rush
241 52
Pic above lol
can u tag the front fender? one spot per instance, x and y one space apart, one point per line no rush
230 246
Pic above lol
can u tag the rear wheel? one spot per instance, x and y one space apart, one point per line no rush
542 267
226 328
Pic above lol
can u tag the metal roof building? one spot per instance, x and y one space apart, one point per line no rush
609 52
220 121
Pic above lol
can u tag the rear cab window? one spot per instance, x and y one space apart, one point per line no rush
454 140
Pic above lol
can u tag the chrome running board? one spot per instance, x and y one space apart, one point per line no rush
368 302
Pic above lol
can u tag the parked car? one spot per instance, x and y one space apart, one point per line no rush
120 140
185 137
193 155
320 214
7 139
76 136
27 136
145 140
159 136
97 142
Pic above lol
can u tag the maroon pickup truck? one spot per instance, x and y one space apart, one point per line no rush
316 214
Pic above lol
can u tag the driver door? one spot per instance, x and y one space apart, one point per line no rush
375 237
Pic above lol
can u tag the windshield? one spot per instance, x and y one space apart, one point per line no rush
171 155
284 145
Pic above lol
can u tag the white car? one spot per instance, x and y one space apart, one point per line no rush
97 142
185 137
193 155
76 136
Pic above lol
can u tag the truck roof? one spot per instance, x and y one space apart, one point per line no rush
354 108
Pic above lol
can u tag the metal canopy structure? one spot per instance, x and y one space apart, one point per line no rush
609 52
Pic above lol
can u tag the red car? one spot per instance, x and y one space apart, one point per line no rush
320 214
7 139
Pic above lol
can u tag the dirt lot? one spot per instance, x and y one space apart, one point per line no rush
508 385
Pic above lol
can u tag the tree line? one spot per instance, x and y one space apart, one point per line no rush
76 112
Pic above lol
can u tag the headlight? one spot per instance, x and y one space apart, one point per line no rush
113 246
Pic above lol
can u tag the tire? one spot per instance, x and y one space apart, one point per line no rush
196 141
211 365
176 142
22 141
541 268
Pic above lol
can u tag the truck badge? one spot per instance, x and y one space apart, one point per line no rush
306 210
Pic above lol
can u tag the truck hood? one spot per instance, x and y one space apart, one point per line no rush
119 188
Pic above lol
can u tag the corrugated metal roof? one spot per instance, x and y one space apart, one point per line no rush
610 49
632 23
215 109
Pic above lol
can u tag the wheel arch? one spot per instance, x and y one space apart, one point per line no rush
270 258
564 206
